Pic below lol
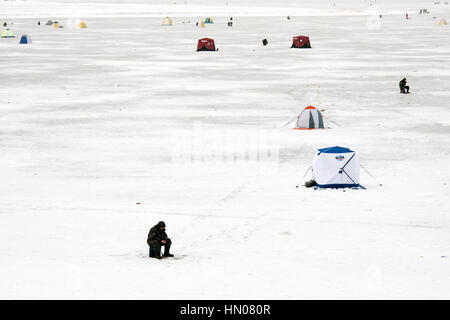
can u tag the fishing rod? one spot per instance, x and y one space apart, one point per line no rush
289 122
380 184
304 176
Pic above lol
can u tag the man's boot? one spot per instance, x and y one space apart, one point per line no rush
167 249
157 252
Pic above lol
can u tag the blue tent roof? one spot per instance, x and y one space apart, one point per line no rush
335 150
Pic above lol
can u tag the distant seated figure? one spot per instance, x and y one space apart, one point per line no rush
157 237
403 86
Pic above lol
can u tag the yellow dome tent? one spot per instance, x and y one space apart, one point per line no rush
83 25
166 22
56 25
443 22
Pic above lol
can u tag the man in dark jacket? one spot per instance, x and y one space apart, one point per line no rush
157 237
403 86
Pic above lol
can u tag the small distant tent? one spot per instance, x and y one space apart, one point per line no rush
209 20
49 23
443 22
8 33
336 167
206 44
25 39
56 25
301 42
83 25
310 118
166 22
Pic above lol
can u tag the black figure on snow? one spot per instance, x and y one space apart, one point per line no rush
157 237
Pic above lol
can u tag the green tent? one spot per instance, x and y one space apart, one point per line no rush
7 33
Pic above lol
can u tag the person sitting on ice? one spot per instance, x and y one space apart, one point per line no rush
403 86
157 237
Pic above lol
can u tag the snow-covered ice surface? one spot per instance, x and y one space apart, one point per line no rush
105 131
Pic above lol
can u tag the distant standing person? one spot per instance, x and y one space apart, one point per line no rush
157 237
403 86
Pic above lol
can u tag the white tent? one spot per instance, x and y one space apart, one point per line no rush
336 167
310 118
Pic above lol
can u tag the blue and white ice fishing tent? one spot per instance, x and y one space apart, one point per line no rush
336 167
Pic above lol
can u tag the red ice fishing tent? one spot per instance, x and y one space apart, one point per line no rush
301 42
206 44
